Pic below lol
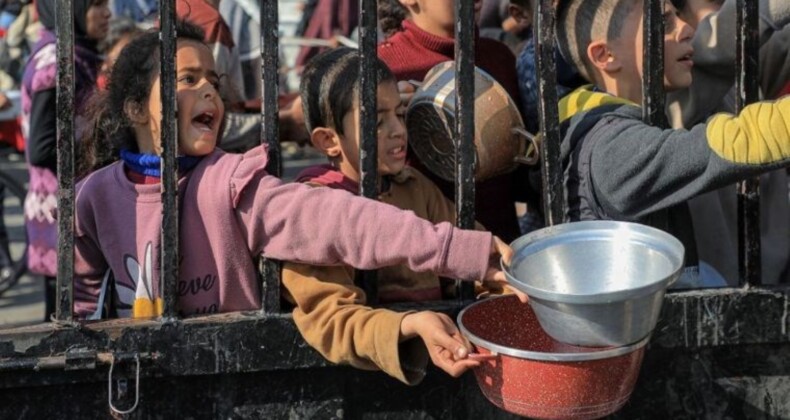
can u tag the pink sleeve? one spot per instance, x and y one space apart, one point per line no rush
295 222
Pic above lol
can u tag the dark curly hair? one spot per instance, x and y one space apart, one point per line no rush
330 83
391 15
131 79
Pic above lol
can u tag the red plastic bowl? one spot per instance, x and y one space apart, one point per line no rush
533 375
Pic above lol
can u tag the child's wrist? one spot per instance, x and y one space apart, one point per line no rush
408 326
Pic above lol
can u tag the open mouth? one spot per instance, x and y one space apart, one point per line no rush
204 121
397 152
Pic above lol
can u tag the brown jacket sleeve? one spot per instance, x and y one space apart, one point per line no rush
332 317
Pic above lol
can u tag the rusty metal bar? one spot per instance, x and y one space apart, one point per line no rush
548 113
747 88
270 56
65 160
464 128
368 142
653 96
169 167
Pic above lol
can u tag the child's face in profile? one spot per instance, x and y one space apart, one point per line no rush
200 108
390 129
97 20
628 49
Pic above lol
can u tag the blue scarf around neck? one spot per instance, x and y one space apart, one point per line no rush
150 165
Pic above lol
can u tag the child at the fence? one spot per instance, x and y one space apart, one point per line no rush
329 311
91 18
618 167
242 125
231 210
715 213
420 35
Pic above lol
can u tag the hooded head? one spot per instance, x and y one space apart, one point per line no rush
46 14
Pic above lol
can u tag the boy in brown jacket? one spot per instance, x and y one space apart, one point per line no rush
329 311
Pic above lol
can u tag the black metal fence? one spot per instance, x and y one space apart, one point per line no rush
552 172
694 325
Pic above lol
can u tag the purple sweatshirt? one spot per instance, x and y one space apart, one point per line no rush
232 211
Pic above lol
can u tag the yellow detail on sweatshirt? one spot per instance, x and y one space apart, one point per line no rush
759 135
146 308
584 99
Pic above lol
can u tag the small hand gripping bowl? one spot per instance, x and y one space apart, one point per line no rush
528 373
596 283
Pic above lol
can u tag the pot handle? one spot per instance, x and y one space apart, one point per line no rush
482 357
532 156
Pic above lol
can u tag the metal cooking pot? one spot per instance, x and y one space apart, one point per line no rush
596 283
530 374
499 131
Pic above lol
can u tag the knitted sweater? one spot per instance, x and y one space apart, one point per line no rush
39 81
410 54
231 211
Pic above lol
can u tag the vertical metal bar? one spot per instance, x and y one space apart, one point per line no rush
368 147
464 129
551 168
653 96
65 159
747 87
169 167
270 132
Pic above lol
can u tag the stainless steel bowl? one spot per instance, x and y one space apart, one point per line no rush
596 283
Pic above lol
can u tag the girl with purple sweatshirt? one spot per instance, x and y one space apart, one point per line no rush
231 210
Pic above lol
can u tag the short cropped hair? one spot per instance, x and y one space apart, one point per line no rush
580 22
330 83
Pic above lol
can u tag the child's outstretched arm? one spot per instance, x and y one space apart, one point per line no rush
331 315
636 169
330 227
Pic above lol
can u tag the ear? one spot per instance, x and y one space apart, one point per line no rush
136 113
601 57
327 141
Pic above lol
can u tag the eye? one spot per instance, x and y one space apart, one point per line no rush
187 78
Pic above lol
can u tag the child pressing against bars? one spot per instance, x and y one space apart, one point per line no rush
231 211
618 167
421 34
329 311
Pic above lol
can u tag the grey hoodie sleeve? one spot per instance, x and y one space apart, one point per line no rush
636 169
